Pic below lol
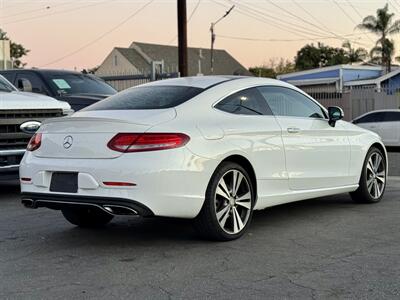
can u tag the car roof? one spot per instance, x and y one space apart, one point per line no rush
206 82
42 71
377 111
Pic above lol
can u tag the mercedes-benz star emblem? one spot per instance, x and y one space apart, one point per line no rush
68 140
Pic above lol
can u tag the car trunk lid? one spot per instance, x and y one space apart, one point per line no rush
86 134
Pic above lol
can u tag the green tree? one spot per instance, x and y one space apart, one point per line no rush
284 67
354 55
384 26
263 71
274 68
17 51
310 57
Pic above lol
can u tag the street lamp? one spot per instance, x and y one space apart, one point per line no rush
213 36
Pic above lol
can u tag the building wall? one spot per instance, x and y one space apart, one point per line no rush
5 60
348 74
358 74
317 75
116 64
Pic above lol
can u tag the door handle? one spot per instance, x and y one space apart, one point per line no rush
293 130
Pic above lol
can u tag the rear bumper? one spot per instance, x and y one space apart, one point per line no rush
169 183
58 202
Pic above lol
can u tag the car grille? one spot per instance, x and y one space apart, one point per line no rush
11 136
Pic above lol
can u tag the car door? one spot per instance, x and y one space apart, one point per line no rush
390 128
317 155
250 127
371 121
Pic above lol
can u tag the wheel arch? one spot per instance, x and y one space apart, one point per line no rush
246 164
381 147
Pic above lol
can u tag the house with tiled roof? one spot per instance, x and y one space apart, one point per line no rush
139 58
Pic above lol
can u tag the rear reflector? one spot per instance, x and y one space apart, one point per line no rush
26 179
139 142
116 183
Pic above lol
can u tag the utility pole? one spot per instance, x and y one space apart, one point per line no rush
213 36
182 38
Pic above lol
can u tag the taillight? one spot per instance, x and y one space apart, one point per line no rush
35 142
137 142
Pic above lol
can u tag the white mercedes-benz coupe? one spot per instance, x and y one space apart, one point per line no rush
210 148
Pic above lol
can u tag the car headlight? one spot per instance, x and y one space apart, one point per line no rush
68 111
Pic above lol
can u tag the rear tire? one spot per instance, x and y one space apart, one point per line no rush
228 206
373 178
86 217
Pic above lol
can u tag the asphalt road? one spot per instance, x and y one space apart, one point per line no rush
324 248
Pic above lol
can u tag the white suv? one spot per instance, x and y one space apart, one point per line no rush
21 114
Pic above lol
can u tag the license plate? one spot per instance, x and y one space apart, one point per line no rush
64 182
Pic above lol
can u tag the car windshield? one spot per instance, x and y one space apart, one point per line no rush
73 84
147 97
5 86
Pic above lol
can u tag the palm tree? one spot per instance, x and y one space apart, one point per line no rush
384 26
354 55
379 52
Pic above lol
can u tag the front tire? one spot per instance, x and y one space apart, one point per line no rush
228 206
373 178
86 217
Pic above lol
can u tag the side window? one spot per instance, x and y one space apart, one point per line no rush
290 103
246 102
391 116
371 118
30 82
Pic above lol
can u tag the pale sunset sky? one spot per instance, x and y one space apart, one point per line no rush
79 34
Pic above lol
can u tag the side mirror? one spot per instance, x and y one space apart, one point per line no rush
335 114
24 85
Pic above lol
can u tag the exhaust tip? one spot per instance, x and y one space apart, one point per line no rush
120 210
29 203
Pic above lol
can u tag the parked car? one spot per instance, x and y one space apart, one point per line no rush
20 116
386 123
79 90
211 148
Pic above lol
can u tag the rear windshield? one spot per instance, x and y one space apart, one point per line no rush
150 97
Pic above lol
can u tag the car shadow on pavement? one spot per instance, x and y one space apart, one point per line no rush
136 231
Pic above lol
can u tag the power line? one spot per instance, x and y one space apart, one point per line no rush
285 24
260 19
304 20
188 21
270 40
44 8
392 3
101 36
56 13
275 22
355 9
310 15
350 18
293 15
305 33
